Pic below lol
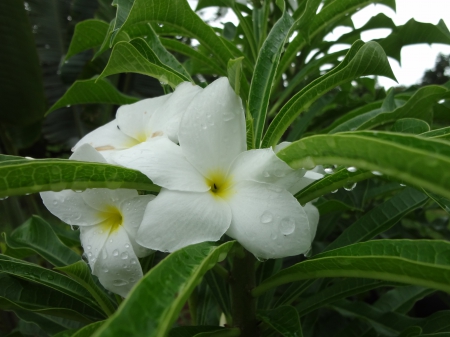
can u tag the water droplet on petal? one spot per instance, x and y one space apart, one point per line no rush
133 261
287 226
55 202
105 269
124 255
115 252
119 283
266 217
266 174
88 247
127 245
228 116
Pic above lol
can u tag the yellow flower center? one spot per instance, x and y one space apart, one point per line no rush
220 184
113 219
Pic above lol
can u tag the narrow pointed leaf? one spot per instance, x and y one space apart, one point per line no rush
410 125
30 176
380 218
88 34
362 59
126 58
443 134
418 262
92 91
34 273
167 287
388 153
81 273
265 69
37 235
337 291
50 324
234 69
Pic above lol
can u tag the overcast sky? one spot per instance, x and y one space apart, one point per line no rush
415 59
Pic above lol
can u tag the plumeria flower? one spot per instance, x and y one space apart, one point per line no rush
142 121
108 221
212 185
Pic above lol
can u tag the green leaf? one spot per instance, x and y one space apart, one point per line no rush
88 34
167 286
414 32
50 324
265 69
330 183
21 86
412 331
34 273
123 10
30 176
410 125
234 69
37 235
129 58
192 331
385 152
443 134
336 292
418 262
380 218
88 330
362 59
420 102
401 299
17 294
219 290
92 91
81 273
283 319
178 14
441 201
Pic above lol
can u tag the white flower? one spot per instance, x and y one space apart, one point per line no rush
212 185
141 121
108 220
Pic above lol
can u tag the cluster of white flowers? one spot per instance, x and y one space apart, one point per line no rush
192 143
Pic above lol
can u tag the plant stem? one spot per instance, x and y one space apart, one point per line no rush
243 305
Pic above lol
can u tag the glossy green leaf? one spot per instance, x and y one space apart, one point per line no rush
37 235
50 324
283 319
337 291
167 286
265 69
122 12
192 331
92 91
443 134
412 331
329 17
80 272
31 176
410 125
441 201
418 262
362 59
421 101
126 58
234 69
88 34
385 152
34 273
88 330
178 14
219 290
17 294
380 218
401 299
330 183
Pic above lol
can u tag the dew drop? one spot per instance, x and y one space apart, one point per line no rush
69 18
334 191
88 247
119 283
203 126
377 173
402 185
349 186
127 245
115 252
328 170
89 254
55 202
287 226
266 174
133 261
228 116
266 217
105 269
124 255
352 169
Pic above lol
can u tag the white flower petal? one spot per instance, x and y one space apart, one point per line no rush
268 221
133 211
133 119
177 219
164 163
264 166
166 120
116 265
86 152
313 217
70 207
106 138
212 130
307 179
103 199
